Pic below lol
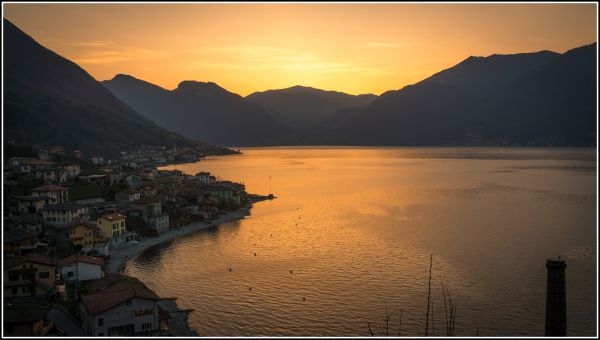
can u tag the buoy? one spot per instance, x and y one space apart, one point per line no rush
250 288
290 272
303 299
229 269
254 254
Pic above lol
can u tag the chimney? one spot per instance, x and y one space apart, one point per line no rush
556 298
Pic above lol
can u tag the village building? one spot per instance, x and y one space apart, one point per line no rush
27 319
125 196
150 210
85 234
31 204
112 225
29 275
78 268
19 242
72 170
64 213
56 193
50 174
118 305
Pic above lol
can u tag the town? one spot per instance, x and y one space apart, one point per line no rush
65 214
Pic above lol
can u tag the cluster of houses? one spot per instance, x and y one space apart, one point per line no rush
44 207
103 304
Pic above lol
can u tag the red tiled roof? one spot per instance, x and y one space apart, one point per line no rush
112 290
81 258
49 187
113 216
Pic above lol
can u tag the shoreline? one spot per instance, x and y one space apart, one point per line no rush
115 264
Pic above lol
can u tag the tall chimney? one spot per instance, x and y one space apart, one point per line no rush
556 298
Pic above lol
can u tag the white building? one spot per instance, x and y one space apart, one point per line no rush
119 305
77 268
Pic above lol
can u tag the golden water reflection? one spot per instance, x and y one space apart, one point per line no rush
353 228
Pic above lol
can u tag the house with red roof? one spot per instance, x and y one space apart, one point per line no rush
119 305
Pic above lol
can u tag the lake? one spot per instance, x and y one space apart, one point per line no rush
352 231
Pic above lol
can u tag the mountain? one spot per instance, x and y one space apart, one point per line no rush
52 101
202 110
303 107
541 98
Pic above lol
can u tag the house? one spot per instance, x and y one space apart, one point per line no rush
94 176
56 193
72 170
29 275
118 305
50 174
125 196
31 204
64 213
205 177
85 234
78 268
111 225
149 209
16 162
25 319
19 242
29 222
209 208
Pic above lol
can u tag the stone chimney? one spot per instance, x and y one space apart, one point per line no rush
556 298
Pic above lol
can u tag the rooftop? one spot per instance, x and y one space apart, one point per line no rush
113 216
112 290
81 258
35 258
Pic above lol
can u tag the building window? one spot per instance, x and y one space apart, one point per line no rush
15 291
100 322
69 274
128 302
146 326
13 277
44 275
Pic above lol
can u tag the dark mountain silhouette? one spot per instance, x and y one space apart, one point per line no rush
52 101
541 98
200 110
303 107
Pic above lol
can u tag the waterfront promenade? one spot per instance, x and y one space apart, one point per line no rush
119 256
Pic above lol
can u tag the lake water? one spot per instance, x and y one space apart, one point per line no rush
352 231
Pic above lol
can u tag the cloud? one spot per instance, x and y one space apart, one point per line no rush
91 43
107 56
272 58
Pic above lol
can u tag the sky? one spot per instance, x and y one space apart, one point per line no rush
352 47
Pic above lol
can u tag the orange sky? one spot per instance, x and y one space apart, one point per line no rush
354 48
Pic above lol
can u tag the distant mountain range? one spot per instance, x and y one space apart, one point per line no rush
50 100
304 107
542 98
200 110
